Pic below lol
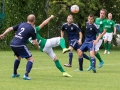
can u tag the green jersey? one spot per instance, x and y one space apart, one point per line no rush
41 40
101 23
110 26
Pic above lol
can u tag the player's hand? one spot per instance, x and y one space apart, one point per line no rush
38 47
2 36
95 42
79 42
114 33
52 16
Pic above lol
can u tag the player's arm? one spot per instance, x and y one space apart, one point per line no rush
46 21
6 31
36 44
114 25
34 41
104 31
80 35
62 33
114 30
99 37
99 34
80 38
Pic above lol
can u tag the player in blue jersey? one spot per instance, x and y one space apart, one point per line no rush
101 23
23 32
90 40
74 36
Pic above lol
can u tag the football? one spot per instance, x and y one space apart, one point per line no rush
74 9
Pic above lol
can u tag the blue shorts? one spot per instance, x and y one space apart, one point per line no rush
21 51
74 44
87 46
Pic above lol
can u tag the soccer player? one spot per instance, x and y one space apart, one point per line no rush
74 36
100 22
23 32
110 31
90 40
46 46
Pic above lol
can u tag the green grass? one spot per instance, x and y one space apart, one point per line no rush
45 75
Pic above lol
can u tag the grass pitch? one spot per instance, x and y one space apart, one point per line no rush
45 75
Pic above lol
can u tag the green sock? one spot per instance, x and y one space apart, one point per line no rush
109 47
62 43
105 45
58 65
98 57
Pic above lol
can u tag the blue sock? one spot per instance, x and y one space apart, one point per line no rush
70 57
80 63
93 62
85 56
16 65
28 67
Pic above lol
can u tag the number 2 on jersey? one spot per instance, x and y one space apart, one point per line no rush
22 30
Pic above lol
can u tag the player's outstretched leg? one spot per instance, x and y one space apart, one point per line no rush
63 46
16 65
65 74
58 65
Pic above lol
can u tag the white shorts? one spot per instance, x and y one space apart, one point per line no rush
53 42
97 46
108 36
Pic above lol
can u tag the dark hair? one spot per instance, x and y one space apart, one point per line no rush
91 15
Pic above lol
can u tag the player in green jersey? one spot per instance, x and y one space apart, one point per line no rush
46 45
110 31
100 22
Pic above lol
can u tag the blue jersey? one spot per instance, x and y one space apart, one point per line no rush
91 32
23 32
72 31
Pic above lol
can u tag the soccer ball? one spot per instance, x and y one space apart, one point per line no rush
74 8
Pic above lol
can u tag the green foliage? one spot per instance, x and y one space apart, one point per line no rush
17 10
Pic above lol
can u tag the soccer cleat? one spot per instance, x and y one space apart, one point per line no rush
26 78
94 70
105 51
15 75
65 74
100 64
67 65
89 68
108 52
66 50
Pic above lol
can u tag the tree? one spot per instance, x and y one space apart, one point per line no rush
17 10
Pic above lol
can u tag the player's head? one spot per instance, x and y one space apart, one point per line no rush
70 19
103 13
31 18
109 16
91 19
